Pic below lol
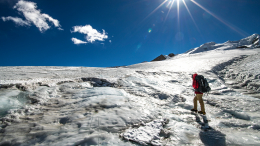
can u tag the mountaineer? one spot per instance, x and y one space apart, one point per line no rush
198 95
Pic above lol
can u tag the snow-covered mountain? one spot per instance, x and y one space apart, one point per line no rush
249 42
141 104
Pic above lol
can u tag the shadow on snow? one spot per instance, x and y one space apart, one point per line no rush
210 136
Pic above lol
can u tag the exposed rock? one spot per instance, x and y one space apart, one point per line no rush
6 86
117 66
96 82
242 47
62 82
171 55
21 87
42 84
159 58
18 86
256 40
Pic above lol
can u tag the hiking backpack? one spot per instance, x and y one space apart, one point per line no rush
203 84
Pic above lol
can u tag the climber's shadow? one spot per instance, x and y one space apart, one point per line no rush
210 136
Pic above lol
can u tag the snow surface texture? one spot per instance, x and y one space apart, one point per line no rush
147 103
244 74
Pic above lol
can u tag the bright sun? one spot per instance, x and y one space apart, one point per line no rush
170 3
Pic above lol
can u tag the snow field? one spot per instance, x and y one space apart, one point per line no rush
244 74
147 103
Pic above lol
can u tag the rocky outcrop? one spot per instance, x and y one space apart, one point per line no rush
171 55
159 58
163 57
242 47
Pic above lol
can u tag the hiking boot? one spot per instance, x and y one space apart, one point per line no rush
193 110
201 112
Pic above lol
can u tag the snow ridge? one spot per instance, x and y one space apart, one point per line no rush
249 42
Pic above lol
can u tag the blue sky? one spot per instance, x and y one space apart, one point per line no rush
105 33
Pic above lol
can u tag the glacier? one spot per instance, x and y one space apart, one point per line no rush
141 104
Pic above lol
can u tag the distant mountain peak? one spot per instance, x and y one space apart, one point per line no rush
248 42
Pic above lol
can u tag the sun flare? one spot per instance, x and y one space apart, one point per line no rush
170 3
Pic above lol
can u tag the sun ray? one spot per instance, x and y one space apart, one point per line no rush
140 24
178 13
170 3
190 14
155 9
226 23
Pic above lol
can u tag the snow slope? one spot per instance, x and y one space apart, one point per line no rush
147 103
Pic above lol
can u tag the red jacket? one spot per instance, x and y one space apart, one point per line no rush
195 84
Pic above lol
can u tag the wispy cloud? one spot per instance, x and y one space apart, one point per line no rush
54 21
77 41
92 34
17 20
32 15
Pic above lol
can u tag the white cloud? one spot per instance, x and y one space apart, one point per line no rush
17 20
92 34
54 21
32 15
77 41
